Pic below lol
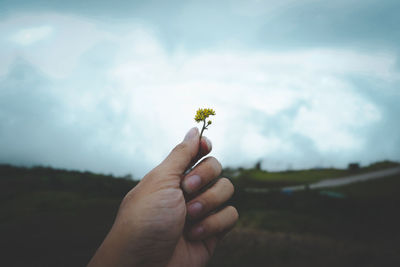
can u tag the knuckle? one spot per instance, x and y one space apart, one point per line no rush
230 186
219 225
233 211
213 224
218 167
177 195
214 164
180 148
206 203
226 186
225 182
207 226
209 199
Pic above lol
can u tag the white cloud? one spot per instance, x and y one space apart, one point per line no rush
255 146
64 40
29 36
142 99
333 114
253 8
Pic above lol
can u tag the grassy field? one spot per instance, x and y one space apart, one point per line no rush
254 177
58 218
308 228
54 217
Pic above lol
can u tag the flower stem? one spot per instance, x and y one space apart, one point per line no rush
204 127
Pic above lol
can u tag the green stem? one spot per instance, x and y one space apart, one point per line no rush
204 127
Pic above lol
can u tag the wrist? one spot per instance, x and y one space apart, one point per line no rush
115 251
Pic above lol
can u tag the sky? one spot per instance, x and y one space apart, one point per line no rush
112 87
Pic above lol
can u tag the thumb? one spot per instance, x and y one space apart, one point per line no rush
183 154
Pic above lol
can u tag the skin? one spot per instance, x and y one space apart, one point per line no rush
171 218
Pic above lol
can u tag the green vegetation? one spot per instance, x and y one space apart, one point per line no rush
255 177
310 228
55 217
387 188
58 218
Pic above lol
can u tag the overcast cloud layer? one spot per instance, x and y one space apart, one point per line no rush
113 89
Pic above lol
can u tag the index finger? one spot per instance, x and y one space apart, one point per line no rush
205 147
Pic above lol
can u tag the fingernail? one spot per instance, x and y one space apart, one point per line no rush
191 183
194 209
192 133
197 231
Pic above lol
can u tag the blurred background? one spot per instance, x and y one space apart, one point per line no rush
94 94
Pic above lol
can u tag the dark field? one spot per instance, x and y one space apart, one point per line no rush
58 218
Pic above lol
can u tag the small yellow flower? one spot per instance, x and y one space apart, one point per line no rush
201 115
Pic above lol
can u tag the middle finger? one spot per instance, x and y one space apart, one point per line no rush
207 170
211 199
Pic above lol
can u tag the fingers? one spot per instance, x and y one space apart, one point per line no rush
201 175
185 153
205 148
211 199
214 224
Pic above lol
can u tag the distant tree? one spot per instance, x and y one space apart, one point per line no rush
128 176
258 165
353 166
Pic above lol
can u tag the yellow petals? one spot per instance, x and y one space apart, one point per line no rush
203 113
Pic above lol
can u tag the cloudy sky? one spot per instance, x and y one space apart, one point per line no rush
112 86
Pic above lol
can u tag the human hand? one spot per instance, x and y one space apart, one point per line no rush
161 224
